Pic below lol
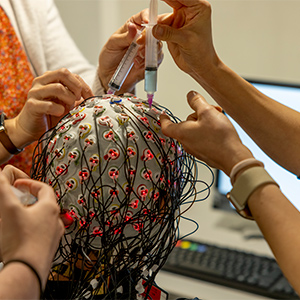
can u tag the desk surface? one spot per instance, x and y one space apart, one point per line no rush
181 286
220 228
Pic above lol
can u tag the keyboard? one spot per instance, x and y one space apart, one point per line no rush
232 268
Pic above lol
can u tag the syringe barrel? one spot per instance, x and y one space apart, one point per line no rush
151 59
124 67
151 42
150 80
151 49
25 197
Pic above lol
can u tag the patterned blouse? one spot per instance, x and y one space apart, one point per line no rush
15 82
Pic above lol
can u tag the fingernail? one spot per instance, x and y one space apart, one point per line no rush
191 95
158 31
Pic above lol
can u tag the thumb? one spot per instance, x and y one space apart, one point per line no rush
167 33
196 101
7 197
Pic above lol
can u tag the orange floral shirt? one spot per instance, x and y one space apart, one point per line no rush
15 81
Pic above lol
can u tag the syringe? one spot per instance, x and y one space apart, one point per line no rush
124 67
151 54
25 197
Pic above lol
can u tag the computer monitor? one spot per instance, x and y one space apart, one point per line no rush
288 95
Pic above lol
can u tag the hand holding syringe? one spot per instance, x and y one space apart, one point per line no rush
151 59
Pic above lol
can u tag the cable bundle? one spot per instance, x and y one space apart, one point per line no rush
120 183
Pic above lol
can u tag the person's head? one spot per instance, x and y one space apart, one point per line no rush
120 182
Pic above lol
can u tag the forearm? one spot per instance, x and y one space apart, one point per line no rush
279 222
271 125
18 282
18 137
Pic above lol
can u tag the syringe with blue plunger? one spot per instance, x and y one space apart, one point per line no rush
151 60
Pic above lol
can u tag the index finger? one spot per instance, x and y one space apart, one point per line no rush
140 18
166 19
65 77
12 173
177 4
168 127
86 91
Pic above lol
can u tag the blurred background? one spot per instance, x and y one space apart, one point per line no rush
259 39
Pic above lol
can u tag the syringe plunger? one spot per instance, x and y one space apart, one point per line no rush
151 60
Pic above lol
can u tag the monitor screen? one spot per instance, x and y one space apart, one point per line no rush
288 95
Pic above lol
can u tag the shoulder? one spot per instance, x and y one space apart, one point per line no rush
34 14
32 7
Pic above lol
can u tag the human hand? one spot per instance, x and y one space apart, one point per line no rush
52 96
188 34
116 47
208 135
12 173
30 233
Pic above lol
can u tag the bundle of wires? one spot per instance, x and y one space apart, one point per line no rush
121 185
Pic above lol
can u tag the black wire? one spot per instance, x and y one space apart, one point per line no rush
110 266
